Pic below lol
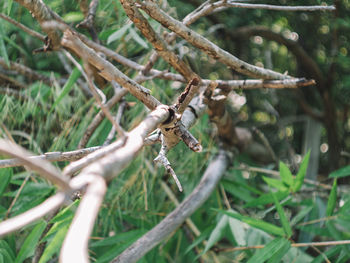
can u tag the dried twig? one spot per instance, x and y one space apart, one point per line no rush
280 8
205 45
51 157
88 22
100 116
23 27
43 167
108 71
159 45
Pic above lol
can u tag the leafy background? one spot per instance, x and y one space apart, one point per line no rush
249 207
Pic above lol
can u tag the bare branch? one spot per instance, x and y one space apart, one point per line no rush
51 157
281 8
159 45
75 245
99 117
23 27
108 71
206 46
88 22
171 222
122 151
42 14
17 222
44 168
26 71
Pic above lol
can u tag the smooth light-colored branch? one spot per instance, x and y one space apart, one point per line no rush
51 157
207 46
44 168
111 164
171 222
280 7
17 222
75 245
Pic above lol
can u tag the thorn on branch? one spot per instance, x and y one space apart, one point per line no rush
161 159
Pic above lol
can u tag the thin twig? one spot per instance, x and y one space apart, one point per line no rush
19 191
23 27
207 46
100 116
51 157
281 8
44 168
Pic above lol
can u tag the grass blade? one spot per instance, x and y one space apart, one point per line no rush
271 249
284 221
332 200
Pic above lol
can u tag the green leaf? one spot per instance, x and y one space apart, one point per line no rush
109 241
267 199
342 172
262 225
67 87
29 244
9 6
118 34
285 174
237 231
302 213
137 38
332 199
299 179
5 178
65 213
270 250
73 17
277 256
54 246
4 245
217 233
6 255
278 184
199 239
283 218
3 51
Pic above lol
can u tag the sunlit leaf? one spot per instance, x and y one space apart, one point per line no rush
332 199
137 38
283 218
217 233
342 172
30 243
118 34
299 180
285 174
272 248
262 225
